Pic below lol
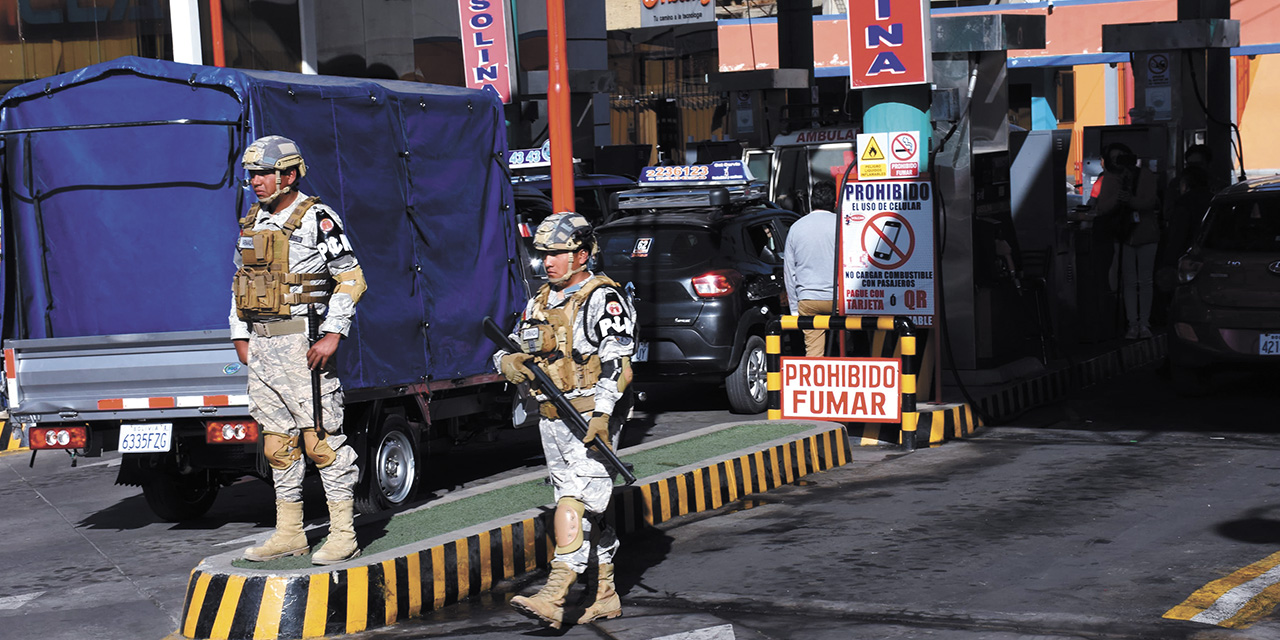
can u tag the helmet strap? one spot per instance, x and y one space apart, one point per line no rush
267 201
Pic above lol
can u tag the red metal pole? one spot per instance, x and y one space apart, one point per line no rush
558 118
215 30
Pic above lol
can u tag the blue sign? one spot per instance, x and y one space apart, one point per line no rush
719 172
517 158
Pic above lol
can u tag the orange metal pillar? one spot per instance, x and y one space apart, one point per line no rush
558 118
215 32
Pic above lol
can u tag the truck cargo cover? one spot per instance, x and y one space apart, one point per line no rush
122 230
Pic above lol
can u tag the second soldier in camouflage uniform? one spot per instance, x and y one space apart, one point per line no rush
291 252
580 328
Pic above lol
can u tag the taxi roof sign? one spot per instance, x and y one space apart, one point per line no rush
719 173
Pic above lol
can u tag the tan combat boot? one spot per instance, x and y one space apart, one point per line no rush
547 604
607 604
288 540
341 545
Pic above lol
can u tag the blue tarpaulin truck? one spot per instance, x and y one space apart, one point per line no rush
121 195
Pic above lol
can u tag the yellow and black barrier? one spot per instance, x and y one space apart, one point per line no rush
902 326
224 602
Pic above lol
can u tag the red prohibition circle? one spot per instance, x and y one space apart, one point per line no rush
873 232
907 143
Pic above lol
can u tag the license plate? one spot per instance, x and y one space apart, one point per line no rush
145 438
1269 344
642 352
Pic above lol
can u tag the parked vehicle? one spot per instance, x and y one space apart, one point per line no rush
591 192
1226 305
121 200
798 159
704 258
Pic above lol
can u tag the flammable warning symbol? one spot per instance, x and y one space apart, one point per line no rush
872 153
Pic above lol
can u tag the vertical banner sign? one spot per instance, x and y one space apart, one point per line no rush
486 51
886 250
889 43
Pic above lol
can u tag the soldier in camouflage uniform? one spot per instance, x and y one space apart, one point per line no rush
580 328
291 252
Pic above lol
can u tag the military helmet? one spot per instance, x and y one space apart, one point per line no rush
274 153
566 231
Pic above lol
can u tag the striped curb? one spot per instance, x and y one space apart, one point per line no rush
11 437
224 602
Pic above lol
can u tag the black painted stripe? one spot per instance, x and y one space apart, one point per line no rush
497 553
542 538
402 590
451 572
426 574
294 608
246 617
517 544
774 399
339 595
376 597
474 568
212 604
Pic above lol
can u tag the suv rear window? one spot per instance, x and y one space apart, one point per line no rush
1248 225
627 250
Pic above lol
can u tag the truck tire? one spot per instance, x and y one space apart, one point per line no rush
391 479
747 385
176 498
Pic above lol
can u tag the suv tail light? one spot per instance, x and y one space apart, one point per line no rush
716 284
1188 269
230 432
58 438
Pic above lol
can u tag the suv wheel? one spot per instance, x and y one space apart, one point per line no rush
747 386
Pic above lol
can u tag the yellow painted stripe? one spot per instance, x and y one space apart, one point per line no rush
731 480
699 494
1204 597
745 462
786 464
390 591
937 429
800 462
437 565
910 420
908 345
414 565
464 567
842 445
762 481
682 496
530 555
773 468
486 561
773 381
227 608
775 414
646 496
822 322
715 486
908 383
814 463
790 322
197 602
317 606
1253 610
773 344
884 323
870 435
357 599
664 500
508 553
267 626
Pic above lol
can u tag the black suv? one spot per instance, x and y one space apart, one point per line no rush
706 266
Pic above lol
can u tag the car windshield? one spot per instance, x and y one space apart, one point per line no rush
628 250
1251 225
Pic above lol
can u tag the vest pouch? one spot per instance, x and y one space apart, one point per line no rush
257 249
587 374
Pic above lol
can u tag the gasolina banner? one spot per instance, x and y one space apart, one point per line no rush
886 250
486 48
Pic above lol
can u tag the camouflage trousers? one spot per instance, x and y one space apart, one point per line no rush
578 472
280 400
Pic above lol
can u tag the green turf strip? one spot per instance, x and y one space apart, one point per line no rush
407 528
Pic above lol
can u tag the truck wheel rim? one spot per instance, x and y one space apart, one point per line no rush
757 377
395 467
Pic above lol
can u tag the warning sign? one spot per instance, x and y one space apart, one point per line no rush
872 163
905 147
886 250
842 389
902 159
872 152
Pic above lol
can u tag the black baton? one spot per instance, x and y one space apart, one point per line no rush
571 417
313 336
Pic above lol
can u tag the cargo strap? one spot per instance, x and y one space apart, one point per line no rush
278 328
582 403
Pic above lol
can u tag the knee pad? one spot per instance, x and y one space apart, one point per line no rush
318 450
568 525
281 450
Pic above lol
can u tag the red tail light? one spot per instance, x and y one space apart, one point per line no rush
59 438
716 284
230 431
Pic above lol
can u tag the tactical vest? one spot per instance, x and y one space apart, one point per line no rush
548 335
262 285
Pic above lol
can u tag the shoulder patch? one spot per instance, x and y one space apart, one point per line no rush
330 240
615 320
